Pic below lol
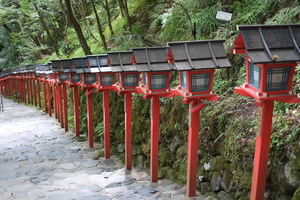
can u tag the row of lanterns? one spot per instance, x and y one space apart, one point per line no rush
271 53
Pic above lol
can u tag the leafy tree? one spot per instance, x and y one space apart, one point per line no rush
77 28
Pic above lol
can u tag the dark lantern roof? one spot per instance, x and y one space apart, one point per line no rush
122 61
197 55
269 43
151 59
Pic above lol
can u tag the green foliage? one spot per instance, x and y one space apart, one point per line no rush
228 127
287 15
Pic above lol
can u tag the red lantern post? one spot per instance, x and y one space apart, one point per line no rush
105 79
86 83
74 82
128 80
271 53
195 62
153 63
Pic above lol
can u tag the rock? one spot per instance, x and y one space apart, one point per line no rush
94 197
71 158
226 182
39 178
215 181
129 181
74 149
121 148
165 183
116 184
279 181
107 174
205 187
51 152
206 166
90 163
123 172
140 162
200 178
38 170
38 160
145 178
108 162
296 195
224 196
292 174
126 196
211 198
9 175
5 167
146 191
69 166
35 194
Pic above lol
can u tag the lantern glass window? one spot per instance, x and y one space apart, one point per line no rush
75 78
90 78
200 82
255 73
107 79
183 77
130 80
145 78
63 77
119 77
158 81
277 78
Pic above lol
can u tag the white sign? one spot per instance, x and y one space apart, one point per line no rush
224 16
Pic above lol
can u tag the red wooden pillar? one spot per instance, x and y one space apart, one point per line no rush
34 92
31 90
57 102
128 130
65 107
49 100
76 110
262 148
21 83
60 106
54 91
45 96
106 118
193 141
39 94
155 106
28 91
89 95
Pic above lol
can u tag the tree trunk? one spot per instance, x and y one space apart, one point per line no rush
7 28
99 26
82 12
107 10
66 19
124 11
53 42
77 28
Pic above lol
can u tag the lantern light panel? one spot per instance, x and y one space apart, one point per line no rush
153 63
122 63
196 61
271 53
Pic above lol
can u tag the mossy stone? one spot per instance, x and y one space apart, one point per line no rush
297 194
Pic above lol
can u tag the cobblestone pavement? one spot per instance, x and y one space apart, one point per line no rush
39 161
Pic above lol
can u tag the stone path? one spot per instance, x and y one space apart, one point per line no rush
39 161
